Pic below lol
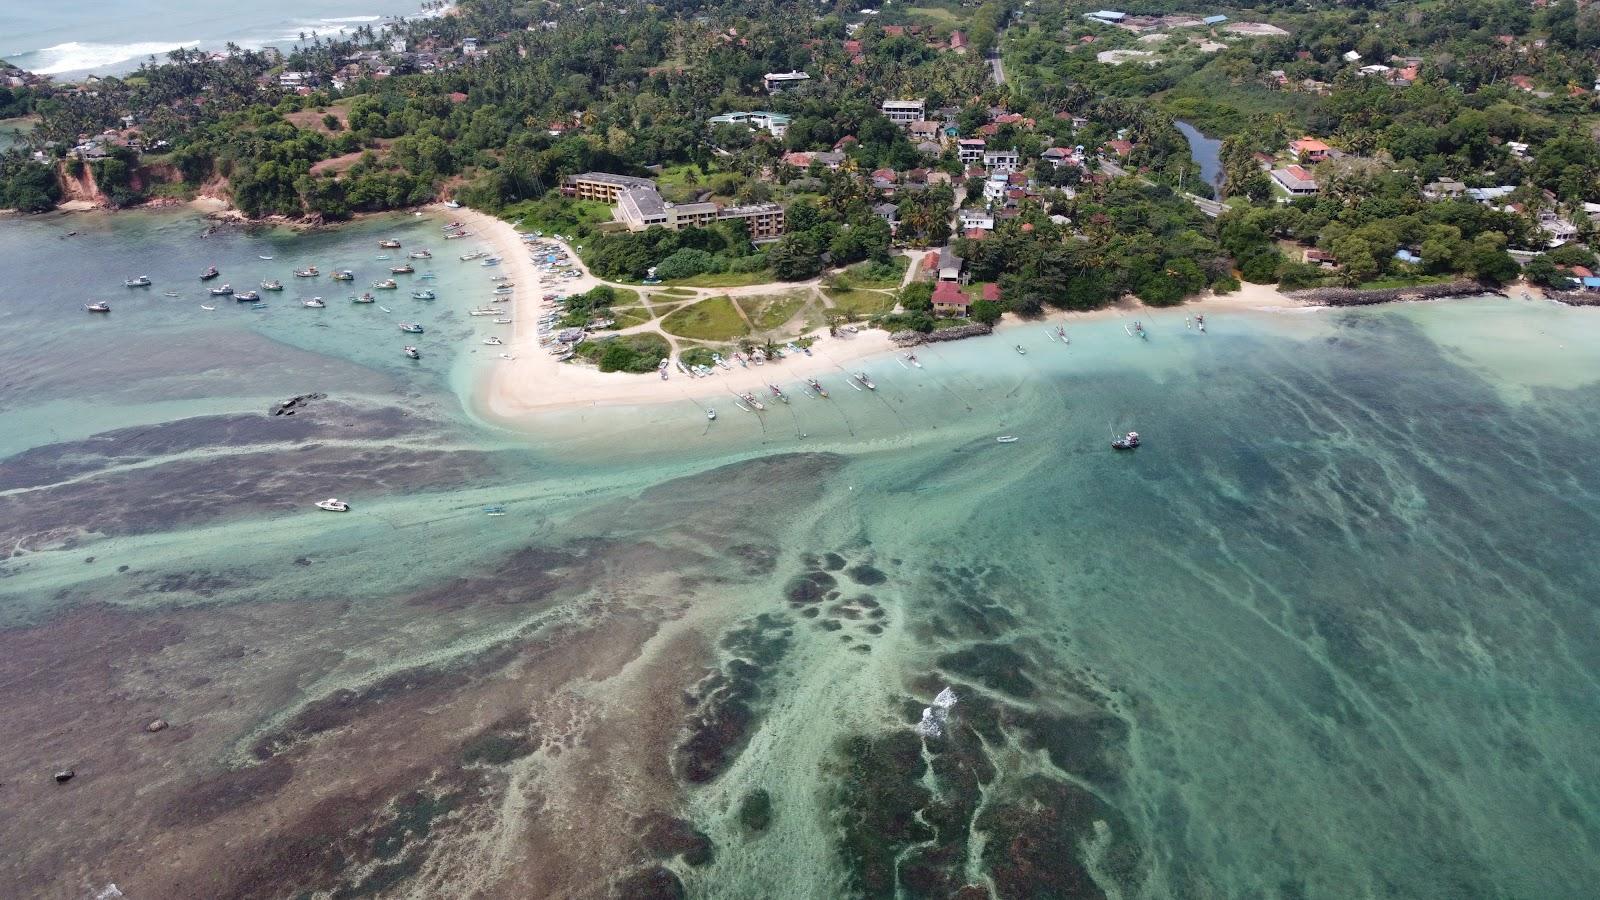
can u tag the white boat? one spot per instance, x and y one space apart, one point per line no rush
1128 441
263 257
99 307
208 308
507 356
247 296
411 327
476 254
364 298
1005 439
1021 350
862 377
493 341
313 303
711 415
224 291
413 353
141 281
333 504
424 295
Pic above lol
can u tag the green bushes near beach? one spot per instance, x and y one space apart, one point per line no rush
626 352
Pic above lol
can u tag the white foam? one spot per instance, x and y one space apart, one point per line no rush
76 56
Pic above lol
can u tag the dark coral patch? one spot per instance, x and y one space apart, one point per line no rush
809 587
865 574
995 666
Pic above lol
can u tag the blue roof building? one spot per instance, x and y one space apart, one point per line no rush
1214 20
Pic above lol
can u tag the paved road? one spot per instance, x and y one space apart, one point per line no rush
997 69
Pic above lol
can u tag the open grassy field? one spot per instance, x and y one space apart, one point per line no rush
713 319
862 303
874 275
628 317
676 292
769 311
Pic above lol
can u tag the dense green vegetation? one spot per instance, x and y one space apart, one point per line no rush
1496 93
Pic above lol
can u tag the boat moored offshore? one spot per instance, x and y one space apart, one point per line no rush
99 306
333 504
141 281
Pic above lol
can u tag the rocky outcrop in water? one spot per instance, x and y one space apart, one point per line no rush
1575 298
1358 297
909 338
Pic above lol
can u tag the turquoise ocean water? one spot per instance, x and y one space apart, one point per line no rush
111 38
1330 633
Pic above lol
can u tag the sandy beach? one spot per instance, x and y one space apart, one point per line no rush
534 382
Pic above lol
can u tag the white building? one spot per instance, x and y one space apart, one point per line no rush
976 218
971 150
783 81
905 112
777 124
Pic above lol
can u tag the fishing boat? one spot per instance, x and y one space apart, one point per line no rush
1125 442
483 311
210 273
817 386
504 289
912 358
751 399
711 414
502 321
97 307
171 293
388 284
1005 439
333 504
862 377
456 235
344 275
1021 350
453 226
385 308
249 296
383 256
411 327
1061 332
263 257
424 295
364 298
224 291
389 244
494 510
272 285
405 269
313 303
307 272
491 261
777 393
208 308
141 281
507 356
420 254
476 254
493 341
413 353
1200 324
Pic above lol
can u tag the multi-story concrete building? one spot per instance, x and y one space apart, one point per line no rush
783 81
775 123
971 150
643 207
904 112
1001 160
602 186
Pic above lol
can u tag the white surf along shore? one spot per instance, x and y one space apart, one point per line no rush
534 382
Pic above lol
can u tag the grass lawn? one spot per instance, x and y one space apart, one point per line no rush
770 311
862 303
939 16
676 292
634 315
876 275
714 319
725 279
557 215
624 297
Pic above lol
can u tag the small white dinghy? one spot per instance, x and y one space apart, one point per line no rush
333 504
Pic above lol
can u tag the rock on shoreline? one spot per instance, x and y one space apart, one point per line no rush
1574 298
1358 297
909 338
